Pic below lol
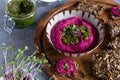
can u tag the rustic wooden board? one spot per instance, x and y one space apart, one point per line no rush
43 44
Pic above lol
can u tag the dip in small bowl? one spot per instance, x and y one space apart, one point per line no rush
65 67
74 34
115 12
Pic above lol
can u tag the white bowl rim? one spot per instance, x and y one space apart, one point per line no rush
86 52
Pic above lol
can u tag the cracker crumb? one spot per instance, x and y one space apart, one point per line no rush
114 29
92 7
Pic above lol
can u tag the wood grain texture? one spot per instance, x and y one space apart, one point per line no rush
43 44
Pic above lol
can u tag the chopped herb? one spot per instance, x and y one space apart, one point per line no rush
69 35
84 74
67 66
119 10
85 32
19 8
72 34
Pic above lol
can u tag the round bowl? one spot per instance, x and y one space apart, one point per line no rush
91 19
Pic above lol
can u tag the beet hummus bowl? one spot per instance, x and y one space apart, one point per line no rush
74 33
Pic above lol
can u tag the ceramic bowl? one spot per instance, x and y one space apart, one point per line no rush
80 14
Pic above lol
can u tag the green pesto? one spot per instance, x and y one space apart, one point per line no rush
22 12
24 22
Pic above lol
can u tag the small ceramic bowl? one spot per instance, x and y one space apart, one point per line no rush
80 14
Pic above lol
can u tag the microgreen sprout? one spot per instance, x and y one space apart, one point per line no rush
21 66
85 32
69 35
72 33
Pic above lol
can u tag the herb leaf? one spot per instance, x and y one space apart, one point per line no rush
72 34
85 32
84 74
69 35
119 10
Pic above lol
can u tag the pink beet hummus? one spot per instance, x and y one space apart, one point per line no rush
62 68
83 45
116 11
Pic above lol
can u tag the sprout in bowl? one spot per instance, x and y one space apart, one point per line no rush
74 33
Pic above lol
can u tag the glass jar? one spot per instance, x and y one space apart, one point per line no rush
19 13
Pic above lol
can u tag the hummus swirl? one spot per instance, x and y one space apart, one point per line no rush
83 45
66 67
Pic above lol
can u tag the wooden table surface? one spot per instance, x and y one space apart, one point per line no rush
43 44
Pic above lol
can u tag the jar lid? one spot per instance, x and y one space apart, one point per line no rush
48 0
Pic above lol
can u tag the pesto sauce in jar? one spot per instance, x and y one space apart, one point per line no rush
21 11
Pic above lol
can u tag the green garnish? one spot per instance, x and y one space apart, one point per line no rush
85 32
72 34
119 10
69 35
51 78
66 65
84 74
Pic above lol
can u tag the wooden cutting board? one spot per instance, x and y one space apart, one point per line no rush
43 45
